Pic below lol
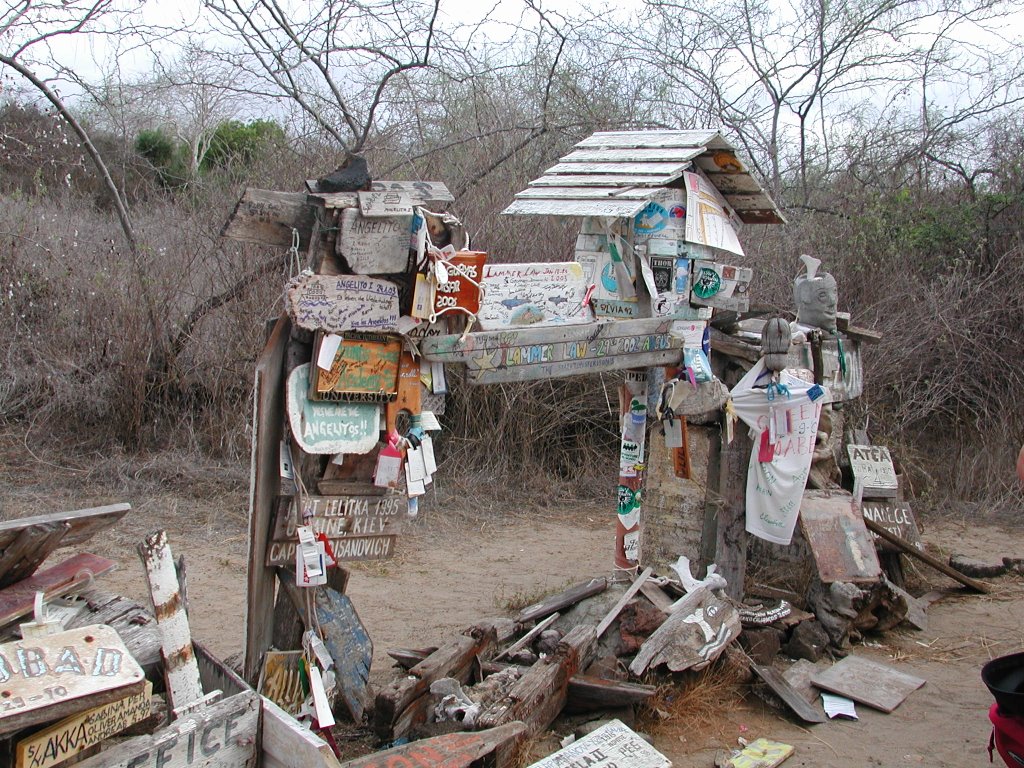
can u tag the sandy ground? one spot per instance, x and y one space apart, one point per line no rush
454 568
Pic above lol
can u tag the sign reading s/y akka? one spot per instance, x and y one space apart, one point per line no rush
71 736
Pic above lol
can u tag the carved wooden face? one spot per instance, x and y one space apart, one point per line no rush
817 300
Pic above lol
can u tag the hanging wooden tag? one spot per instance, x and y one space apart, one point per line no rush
408 396
681 455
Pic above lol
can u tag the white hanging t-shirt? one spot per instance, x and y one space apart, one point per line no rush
775 488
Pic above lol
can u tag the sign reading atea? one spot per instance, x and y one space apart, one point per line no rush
872 466
343 303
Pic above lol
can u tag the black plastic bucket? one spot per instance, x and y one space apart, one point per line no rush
1005 680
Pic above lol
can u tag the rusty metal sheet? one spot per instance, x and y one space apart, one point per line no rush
839 540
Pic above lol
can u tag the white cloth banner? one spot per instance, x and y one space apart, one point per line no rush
776 487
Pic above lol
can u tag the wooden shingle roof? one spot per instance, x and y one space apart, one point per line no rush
614 174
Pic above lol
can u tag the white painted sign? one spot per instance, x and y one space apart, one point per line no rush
75 664
518 295
391 202
872 465
611 746
343 303
329 427
374 246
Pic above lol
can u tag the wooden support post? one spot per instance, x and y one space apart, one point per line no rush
724 539
180 666
628 523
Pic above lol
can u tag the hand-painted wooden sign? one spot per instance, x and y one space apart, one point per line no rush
364 369
74 734
343 303
280 680
48 678
350 647
613 745
460 292
223 735
323 427
872 466
345 548
377 245
391 202
542 353
838 538
897 518
425 191
518 295
338 516
720 285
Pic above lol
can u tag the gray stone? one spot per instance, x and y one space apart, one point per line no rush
808 641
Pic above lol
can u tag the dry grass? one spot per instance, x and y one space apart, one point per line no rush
692 703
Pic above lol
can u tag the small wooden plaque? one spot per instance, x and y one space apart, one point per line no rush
365 370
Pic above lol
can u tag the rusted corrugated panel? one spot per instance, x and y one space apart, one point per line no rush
604 208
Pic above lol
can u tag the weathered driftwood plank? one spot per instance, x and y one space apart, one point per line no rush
349 645
626 597
562 600
453 659
134 624
647 181
52 677
694 634
788 694
603 208
264 488
540 694
835 532
75 734
657 596
343 303
223 735
354 515
63 578
634 155
452 750
593 192
588 692
924 557
346 549
287 744
655 138
28 548
84 523
268 217
868 682
671 170
528 637
180 668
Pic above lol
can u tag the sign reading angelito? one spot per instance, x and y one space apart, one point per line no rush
74 734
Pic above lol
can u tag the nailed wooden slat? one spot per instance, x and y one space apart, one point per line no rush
588 692
265 486
710 139
729 183
450 750
30 547
600 208
133 623
562 600
789 695
673 170
224 735
286 743
180 667
634 155
603 180
84 523
583 193
626 597
268 217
